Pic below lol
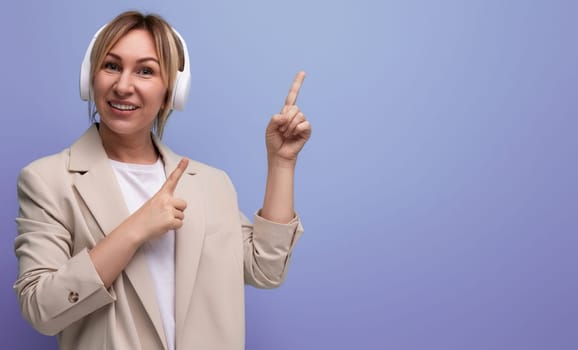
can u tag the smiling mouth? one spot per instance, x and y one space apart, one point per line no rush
122 107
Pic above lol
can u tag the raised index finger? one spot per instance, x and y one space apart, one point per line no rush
175 176
294 90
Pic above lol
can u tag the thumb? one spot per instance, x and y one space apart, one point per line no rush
175 176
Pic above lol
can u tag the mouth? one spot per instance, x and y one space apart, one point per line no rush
122 107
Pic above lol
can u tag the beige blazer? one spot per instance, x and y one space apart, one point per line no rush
71 200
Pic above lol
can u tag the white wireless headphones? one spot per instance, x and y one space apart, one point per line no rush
182 80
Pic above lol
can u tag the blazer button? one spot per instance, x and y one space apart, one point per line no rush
73 297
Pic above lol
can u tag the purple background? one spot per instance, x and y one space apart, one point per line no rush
439 191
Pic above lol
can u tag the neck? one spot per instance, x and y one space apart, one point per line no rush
136 149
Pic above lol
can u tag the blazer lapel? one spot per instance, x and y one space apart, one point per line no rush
189 238
97 185
96 182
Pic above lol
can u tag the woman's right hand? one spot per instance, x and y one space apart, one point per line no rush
162 212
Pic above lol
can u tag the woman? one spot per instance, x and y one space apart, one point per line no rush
112 253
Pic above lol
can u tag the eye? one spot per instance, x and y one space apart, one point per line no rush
111 66
146 71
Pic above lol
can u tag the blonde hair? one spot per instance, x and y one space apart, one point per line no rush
168 46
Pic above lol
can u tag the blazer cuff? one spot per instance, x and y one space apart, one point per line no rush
280 237
77 289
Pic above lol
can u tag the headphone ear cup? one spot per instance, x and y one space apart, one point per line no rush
181 90
84 83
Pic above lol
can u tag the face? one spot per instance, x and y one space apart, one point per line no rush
128 87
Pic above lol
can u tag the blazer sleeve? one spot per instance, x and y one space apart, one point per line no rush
267 249
54 288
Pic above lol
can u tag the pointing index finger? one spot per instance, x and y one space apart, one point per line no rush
176 175
294 90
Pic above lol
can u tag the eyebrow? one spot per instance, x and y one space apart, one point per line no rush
140 60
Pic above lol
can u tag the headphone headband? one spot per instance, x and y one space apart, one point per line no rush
182 83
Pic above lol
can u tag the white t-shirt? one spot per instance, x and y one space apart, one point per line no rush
139 182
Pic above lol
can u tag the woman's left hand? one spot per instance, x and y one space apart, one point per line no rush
288 131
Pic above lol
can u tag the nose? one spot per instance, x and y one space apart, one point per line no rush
124 85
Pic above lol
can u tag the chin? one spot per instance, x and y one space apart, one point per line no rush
125 127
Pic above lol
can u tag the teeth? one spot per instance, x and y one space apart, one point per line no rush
123 107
